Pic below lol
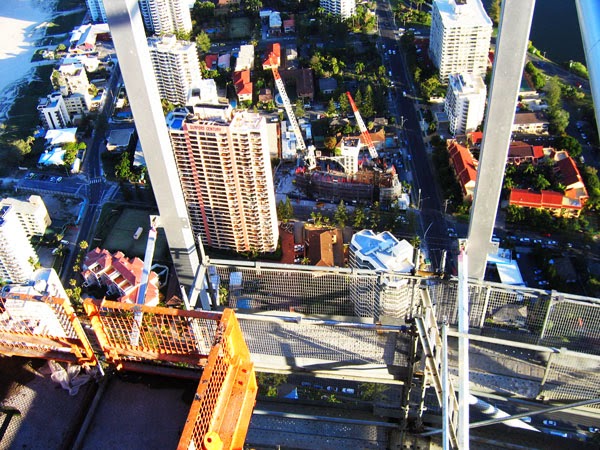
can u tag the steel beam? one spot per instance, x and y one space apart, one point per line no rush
588 14
511 49
127 30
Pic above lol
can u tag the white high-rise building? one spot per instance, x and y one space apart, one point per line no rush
72 81
465 102
460 37
17 256
97 11
225 173
166 16
53 112
176 67
31 214
340 8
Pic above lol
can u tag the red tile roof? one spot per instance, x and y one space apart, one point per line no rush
211 60
476 137
538 151
569 173
130 270
463 163
543 199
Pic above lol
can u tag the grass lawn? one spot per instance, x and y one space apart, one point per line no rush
115 231
240 27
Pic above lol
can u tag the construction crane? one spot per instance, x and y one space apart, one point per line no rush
363 129
141 294
310 150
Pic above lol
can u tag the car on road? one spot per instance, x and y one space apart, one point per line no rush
526 419
52 179
59 179
452 232
549 423
594 430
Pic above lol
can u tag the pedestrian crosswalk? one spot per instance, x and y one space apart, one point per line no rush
96 180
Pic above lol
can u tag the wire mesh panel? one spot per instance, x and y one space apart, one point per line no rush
523 315
574 325
572 376
43 327
331 345
131 332
221 410
307 291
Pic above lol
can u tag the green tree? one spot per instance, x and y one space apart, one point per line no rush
252 5
330 142
367 108
359 219
83 245
331 110
570 144
541 182
203 42
341 215
71 149
23 146
430 86
559 120
183 35
123 169
344 104
553 92
299 108
167 106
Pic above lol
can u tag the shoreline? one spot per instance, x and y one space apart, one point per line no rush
24 23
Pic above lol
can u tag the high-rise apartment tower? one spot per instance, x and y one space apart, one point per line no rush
17 256
465 102
460 37
176 67
97 11
340 8
166 16
225 173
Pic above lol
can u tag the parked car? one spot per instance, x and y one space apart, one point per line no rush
549 423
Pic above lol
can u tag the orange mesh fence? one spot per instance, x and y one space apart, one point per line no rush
45 327
128 332
222 408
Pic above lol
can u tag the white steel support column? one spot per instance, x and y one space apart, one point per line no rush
127 30
588 14
463 350
509 60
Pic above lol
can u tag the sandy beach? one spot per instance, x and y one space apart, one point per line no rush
22 22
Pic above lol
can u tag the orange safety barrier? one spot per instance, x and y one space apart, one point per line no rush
132 333
222 408
37 326
220 413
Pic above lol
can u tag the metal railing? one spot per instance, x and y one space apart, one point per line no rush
43 327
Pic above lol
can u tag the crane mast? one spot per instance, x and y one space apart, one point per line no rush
363 129
310 153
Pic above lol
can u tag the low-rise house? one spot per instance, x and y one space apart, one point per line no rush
243 85
327 86
552 201
464 167
119 140
530 123
521 152
121 276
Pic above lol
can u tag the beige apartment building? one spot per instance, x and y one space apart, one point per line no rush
225 173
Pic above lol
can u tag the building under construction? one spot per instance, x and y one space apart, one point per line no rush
365 185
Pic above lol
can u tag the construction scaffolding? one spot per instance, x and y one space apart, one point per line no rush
43 327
